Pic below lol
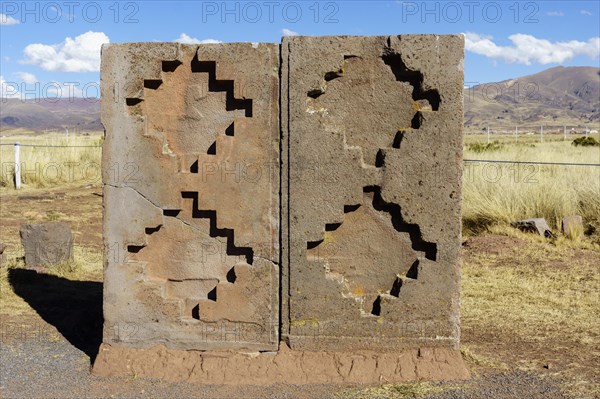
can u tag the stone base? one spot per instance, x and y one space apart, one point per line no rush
283 367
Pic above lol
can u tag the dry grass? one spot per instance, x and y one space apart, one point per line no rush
51 166
477 359
526 137
567 299
501 193
540 303
400 391
10 303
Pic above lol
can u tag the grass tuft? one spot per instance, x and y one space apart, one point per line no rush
488 147
586 142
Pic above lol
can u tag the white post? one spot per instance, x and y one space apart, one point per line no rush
565 132
67 131
517 134
17 166
587 131
541 134
488 134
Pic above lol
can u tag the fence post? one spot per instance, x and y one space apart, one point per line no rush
488 134
541 134
17 166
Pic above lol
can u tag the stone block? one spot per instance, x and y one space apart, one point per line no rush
356 237
191 195
283 367
534 225
372 231
46 244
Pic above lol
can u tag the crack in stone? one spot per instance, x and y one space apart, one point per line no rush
159 208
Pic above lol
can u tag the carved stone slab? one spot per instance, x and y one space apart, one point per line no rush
373 127
191 195
370 188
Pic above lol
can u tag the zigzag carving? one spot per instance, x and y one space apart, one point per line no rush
232 250
429 249
231 104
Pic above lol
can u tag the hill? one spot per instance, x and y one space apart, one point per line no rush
556 96
77 114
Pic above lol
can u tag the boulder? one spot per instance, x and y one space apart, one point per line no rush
46 244
534 225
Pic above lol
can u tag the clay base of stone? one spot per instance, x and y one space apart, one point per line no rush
283 367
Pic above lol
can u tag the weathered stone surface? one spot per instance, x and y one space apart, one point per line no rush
374 129
534 225
191 173
572 226
46 244
371 151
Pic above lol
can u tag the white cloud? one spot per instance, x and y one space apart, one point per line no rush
81 54
555 14
185 39
8 89
27 77
585 12
526 49
7 20
288 32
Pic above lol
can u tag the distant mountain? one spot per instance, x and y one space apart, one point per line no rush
556 96
43 114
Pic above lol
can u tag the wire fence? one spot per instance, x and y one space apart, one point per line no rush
531 162
51 146
465 160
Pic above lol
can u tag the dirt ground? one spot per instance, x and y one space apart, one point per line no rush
521 338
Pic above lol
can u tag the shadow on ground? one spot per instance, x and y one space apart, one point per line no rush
73 307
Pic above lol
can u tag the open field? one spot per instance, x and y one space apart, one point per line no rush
53 162
529 305
500 192
531 137
533 304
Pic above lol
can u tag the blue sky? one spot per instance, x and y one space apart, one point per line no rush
46 47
